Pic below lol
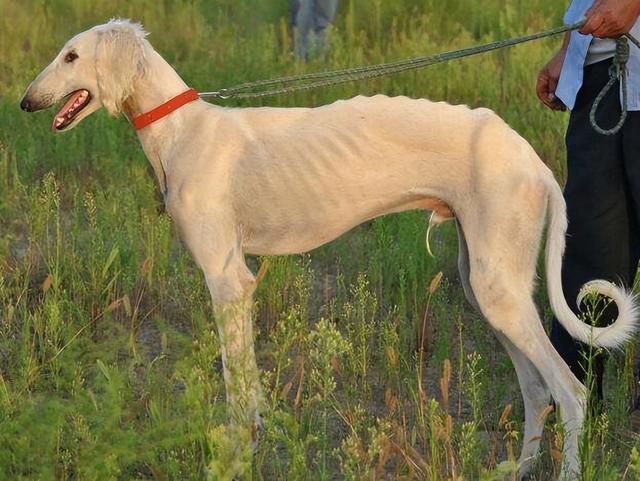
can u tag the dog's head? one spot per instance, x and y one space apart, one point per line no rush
96 68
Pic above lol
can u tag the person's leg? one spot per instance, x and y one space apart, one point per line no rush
324 12
598 237
304 25
294 7
631 151
631 154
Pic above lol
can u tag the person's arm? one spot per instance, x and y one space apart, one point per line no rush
549 76
611 18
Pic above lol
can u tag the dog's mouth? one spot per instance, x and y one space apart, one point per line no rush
76 101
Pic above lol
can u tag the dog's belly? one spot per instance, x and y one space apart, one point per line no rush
302 234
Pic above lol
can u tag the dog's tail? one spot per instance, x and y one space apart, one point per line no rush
611 336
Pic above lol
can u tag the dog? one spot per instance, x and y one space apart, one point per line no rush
271 181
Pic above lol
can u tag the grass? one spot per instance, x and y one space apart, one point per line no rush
109 369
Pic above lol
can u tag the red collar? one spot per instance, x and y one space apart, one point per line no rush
142 120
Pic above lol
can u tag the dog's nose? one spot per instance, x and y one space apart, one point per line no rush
26 105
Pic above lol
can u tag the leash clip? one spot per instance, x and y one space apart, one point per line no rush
223 94
220 94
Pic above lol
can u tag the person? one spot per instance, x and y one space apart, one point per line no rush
310 20
603 182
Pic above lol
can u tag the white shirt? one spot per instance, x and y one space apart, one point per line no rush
584 50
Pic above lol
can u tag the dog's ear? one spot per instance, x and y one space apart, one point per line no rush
120 60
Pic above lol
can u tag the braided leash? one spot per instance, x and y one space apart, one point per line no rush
295 83
617 72
308 81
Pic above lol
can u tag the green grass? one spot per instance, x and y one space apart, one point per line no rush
109 369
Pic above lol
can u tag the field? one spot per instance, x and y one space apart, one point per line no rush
109 362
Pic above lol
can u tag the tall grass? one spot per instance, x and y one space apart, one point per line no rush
374 365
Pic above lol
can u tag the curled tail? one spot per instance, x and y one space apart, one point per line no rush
611 336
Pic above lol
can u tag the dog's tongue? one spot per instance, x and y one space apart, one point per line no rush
66 113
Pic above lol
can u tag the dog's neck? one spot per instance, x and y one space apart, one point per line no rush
159 84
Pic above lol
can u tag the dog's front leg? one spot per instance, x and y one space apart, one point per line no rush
241 375
231 285
216 247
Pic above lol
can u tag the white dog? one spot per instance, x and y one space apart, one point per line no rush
287 180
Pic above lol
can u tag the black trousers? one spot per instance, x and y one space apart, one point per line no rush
603 208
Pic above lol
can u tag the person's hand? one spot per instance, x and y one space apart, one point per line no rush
548 81
611 18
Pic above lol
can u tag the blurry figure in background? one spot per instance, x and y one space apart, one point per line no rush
310 20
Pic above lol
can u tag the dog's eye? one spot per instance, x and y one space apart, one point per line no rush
70 57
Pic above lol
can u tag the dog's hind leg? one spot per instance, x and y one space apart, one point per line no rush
536 398
503 239
535 393
507 305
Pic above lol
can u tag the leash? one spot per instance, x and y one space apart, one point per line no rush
308 81
617 72
314 80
